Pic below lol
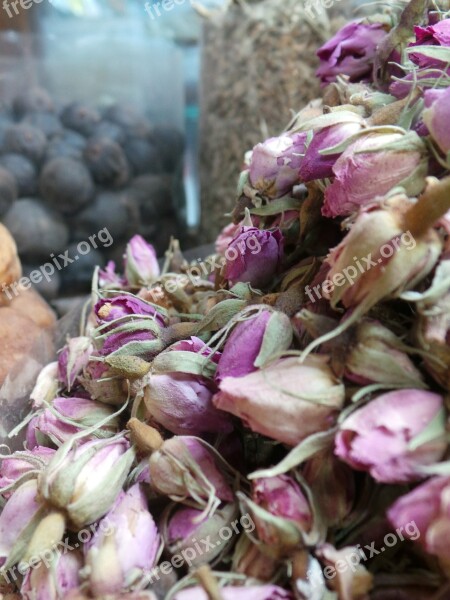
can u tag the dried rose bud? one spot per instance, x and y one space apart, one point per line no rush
141 264
316 165
85 480
138 337
21 466
423 515
68 416
437 34
259 592
250 561
18 521
436 117
73 359
254 257
182 403
377 259
394 435
255 339
46 386
102 384
124 546
108 278
183 530
352 583
225 237
125 305
376 355
351 52
53 581
286 401
333 486
281 513
178 394
400 157
187 468
275 164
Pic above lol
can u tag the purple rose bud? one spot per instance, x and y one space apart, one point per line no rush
182 403
424 516
108 278
319 166
401 159
18 520
284 514
437 117
53 581
68 416
187 526
432 35
394 435
125 545
141 264
21 466
286 401
254 256
196 345
85 479
260 592
73 359
110 309
350 52
255 339
275 164
187 468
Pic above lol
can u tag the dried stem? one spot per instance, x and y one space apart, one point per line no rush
432 205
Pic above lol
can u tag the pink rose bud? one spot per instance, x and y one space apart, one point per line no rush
275 164
18 521
333 486
376 355
437 117
182 403
423 515
85 479
259 592
400 157
254 256
126 305
102 384
187 526
21 466
257 336
188 468
283 517
286 401
226 236
73 359
316 165
351 52
141 264
53 581
46 386
135 337
178 394
377 259
108 278
432 35
68 416
125 546
394 435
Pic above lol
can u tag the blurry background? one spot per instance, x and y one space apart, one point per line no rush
136 117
